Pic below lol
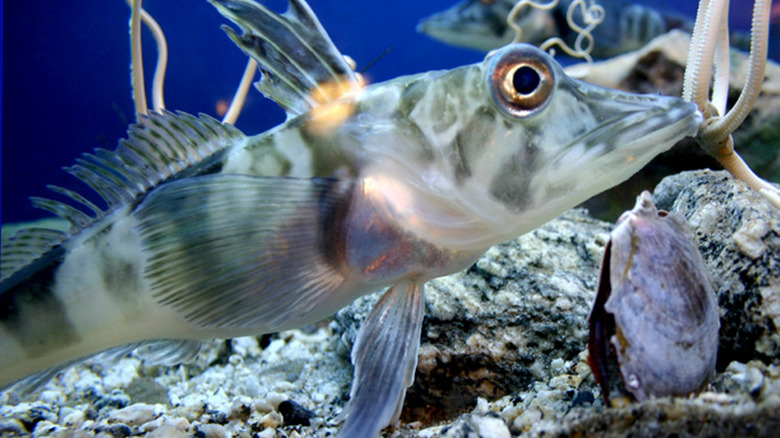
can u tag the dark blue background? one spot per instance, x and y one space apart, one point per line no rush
66 83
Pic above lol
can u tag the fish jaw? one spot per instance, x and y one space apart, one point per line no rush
595 138
499 171
471 24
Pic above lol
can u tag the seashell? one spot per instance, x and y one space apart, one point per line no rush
655 313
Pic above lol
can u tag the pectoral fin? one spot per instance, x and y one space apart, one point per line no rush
385 358
244 253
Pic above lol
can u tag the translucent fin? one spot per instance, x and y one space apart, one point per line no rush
27 246
385 358
159 148
296 56
169 351
158 352
237 251
32 383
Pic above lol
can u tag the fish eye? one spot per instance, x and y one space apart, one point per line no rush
521 80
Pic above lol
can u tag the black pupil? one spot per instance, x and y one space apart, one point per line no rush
525 80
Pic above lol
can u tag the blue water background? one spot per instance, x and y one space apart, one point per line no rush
66 84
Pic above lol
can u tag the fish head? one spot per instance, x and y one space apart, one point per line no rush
563 140
476 24
522 142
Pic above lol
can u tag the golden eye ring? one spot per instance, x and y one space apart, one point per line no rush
522 80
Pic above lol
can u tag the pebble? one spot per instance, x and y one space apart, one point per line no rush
272 419
211 431
295 414
168 432
133 415
748 238
490 427
526 420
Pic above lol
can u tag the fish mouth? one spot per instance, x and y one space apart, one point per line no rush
639 128
631 131
640 133
441 25
465 24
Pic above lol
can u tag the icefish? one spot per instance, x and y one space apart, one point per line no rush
482 25
209 233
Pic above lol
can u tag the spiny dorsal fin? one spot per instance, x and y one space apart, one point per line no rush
301 66
160 147
26 246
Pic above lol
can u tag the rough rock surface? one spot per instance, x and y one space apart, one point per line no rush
502 354
739 237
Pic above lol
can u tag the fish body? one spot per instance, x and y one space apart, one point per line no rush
209 233
482 25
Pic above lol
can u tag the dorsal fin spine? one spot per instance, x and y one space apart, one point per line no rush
168 145
143 158
303 14
129 172
77 218
120 188
93 181
76 197
26 246
135 159
278 73
284 23
293 50
158 148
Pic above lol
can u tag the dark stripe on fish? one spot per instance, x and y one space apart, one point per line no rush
326 157
335 197
512 182
498 23
31 312
410 97
470 143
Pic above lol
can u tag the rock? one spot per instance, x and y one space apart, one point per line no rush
133 415
745 395
512 328
739 237
477 426
146 390
168 432
295 414
210 431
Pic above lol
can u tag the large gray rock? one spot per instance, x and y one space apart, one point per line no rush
739 237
